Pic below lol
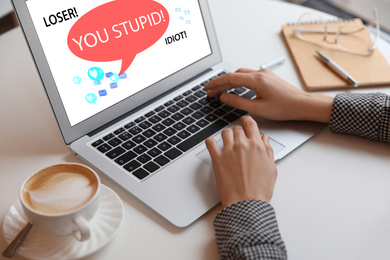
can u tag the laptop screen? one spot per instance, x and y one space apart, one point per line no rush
102 52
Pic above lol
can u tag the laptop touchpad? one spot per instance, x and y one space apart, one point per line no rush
204 155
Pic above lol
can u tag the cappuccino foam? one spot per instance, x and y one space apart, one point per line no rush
59 189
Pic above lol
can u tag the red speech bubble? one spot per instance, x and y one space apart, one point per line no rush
118 30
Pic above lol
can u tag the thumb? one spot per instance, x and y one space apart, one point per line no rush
236 101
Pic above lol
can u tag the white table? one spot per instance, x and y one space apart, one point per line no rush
332 195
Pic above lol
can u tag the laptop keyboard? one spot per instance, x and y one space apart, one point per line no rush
160 136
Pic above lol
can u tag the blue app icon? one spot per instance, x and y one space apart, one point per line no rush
77 80
96 74
108 74
113 85
102 93
114 77
91 98
123 75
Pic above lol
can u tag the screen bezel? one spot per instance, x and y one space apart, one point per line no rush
72 133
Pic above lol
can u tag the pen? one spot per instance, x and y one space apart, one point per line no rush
273 64
338 69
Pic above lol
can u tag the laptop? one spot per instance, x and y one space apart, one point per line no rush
125 80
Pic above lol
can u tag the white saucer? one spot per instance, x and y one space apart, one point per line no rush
41 245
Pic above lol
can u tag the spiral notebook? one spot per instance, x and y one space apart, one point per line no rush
369 71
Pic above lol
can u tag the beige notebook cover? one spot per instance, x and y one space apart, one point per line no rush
371 70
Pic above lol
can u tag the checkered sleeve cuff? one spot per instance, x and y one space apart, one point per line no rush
364 115
249 230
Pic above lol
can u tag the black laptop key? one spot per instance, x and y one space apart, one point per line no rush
124 136
178 116
206 109
158 109
220 112
199 93
150 143
215 104
250 94
164 146
168 121
195 106
184 134
140 173
151 167
144 158
174 140
240 112
240 90
140 149
129 125
104 148
118 131
186 111
160 137
179 126
145 124
211 117
197 114
149 114
196 88
170 131
139 139
204 101
202 123
135 130
188 92
125 158
154 119
128 145
173 109
108 137
161 160
154 152
140 119
115 142
170 102
178 98
193 128
164 114
149 133
97 143
191 98
131 166
159 127
182 103
115 152
231 117
202 135
173 153
188 120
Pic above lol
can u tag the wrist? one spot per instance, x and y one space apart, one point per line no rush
317 108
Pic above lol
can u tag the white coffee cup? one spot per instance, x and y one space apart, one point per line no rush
62 199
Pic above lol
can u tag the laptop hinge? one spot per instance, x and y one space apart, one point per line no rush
102 128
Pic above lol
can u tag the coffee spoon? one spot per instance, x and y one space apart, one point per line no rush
9 252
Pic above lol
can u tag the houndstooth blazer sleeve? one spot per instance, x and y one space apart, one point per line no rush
366 115
249 230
